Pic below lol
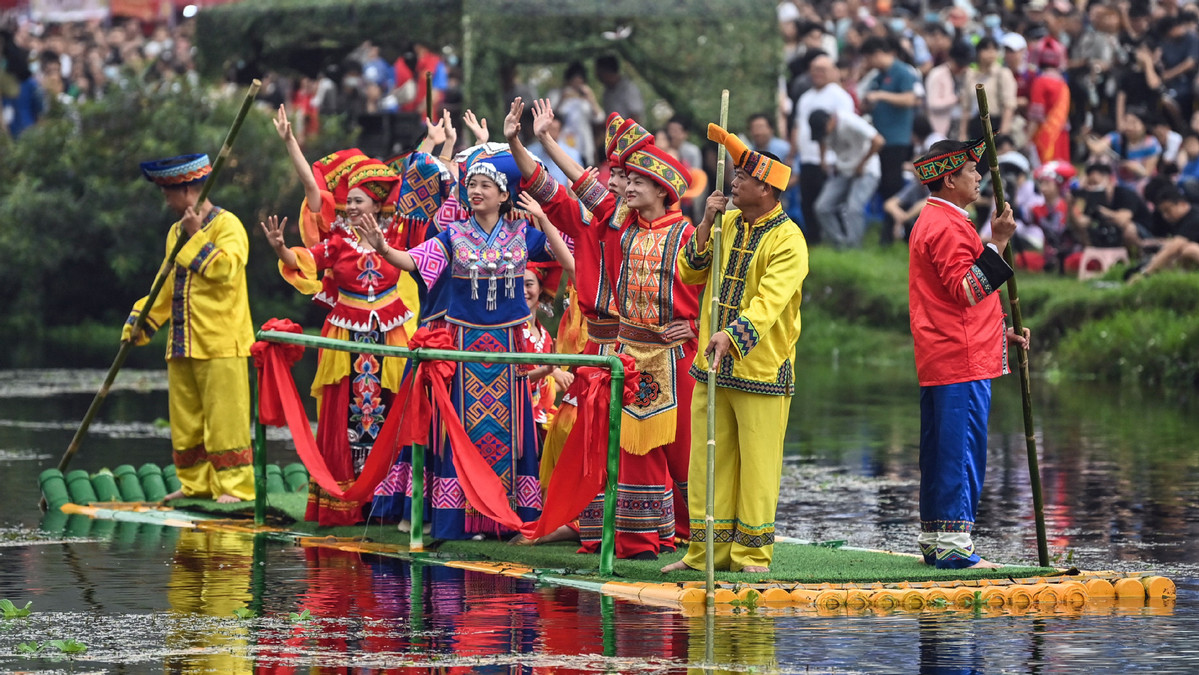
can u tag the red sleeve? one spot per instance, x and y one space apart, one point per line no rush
968 270
562 211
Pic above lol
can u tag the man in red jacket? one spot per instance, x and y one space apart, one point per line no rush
961 344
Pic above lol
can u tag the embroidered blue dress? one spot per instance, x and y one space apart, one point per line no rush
487 311
393 498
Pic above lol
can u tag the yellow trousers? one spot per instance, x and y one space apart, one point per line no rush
210 426
749 465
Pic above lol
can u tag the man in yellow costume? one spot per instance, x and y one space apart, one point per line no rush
205 301
765 261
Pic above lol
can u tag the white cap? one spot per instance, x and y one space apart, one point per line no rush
1015 159
1014 42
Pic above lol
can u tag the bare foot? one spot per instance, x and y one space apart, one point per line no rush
177 494
984 564
755 569
521 540
675 567
227 499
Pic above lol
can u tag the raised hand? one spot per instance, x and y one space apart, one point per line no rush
273 229
451 134
543 114
526 202
282 124
477 126
512 121
368 229
436 133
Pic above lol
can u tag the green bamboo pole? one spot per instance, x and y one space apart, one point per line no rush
259 456
156 287
429 103
1030 440
713 316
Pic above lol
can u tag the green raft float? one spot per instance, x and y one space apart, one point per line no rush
828 578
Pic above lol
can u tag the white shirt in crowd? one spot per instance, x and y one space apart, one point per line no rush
831 98
849 142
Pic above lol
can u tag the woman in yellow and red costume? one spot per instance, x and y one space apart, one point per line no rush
353 390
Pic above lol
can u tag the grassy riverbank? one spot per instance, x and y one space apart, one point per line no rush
856 310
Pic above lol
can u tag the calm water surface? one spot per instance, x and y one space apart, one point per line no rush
1120 470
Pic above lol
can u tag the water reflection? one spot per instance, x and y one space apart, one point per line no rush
1121 488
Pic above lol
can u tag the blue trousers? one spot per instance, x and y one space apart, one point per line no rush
953 463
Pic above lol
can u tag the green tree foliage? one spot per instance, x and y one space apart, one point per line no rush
687 50
83 233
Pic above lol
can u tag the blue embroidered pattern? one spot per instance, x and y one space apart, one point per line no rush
197 263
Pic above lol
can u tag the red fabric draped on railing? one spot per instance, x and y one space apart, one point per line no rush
577 479
279 405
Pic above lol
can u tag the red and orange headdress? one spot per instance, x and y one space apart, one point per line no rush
377 179
623 137
332 173
661 167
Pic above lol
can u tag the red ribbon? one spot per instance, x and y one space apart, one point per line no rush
279 404
583 467
577 479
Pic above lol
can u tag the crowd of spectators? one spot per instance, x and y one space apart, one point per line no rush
1093 103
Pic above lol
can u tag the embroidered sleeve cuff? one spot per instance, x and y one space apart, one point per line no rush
541 185
589 191
985 276
744 335
695 258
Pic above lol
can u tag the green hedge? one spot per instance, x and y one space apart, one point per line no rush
83 233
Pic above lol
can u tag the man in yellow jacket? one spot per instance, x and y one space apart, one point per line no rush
765 261
205 302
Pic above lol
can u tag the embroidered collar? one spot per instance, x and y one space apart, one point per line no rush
767 218
955 207
671 217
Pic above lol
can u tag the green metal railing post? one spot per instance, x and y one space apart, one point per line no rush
615 411
416 538
259 457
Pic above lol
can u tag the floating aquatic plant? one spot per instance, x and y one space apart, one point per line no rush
245 613
303 616
11 611
68 646
29 647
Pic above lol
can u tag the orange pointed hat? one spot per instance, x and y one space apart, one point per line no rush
774 173
623 137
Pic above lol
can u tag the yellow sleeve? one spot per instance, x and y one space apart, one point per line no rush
305 279
785 272
160 311
218 252
694 263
